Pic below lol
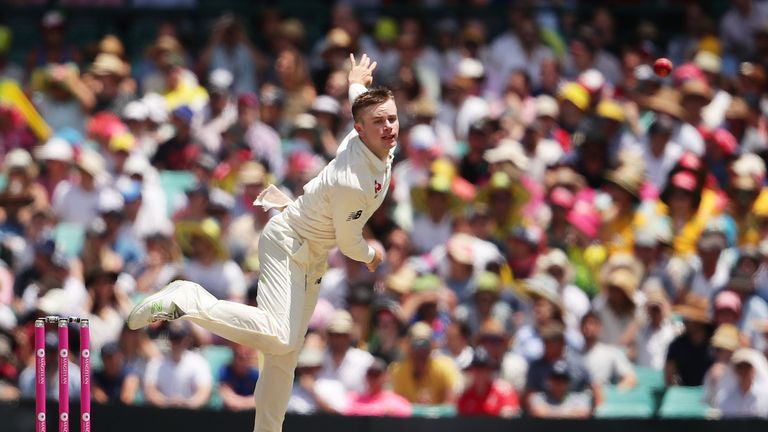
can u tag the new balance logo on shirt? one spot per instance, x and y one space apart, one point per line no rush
354 215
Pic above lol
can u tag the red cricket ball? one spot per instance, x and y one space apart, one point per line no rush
662 66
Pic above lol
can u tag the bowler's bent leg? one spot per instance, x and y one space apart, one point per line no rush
276 326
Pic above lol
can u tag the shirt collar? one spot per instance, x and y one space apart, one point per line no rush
376 162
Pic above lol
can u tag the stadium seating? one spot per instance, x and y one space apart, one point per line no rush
69 238
637 402
650 378
434 411
174 184
684 402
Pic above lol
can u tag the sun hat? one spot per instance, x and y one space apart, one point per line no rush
55 149
207 229
340 322
420 335
726 337
694 309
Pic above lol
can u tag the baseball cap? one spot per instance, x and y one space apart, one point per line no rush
184 113
481 359
420 335
248 99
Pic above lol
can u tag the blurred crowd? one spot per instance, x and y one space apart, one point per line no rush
562 222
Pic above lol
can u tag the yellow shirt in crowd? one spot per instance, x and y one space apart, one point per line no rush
440 380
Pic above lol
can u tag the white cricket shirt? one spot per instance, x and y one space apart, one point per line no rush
338 202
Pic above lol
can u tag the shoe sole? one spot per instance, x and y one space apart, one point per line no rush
154 297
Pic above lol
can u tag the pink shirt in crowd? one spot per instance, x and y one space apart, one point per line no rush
384 403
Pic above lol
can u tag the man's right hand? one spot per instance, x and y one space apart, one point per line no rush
378 257
361 73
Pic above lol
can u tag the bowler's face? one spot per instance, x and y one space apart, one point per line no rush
379 127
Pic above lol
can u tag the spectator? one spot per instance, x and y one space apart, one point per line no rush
555 350
619 304
547 309
107 306
65 101
559 400
237 380
754 309
251 133
378 401
178 152
209 263
229 49
432 224
220 113
744 394
312 394
77 202
485 304
457 343
710 267
484 395
56 156
138 350
181 378
178 91
54 47
421 377
162 263
575 302
689 357
725 341
114 383
607 364
341 361
49 271
108 79
9 389
656 332
386 330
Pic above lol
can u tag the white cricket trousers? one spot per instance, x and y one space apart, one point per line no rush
289 284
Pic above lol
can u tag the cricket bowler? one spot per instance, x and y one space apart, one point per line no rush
294 250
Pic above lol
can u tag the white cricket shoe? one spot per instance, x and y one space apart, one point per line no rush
158 306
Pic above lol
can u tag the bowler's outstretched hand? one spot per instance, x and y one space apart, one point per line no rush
361 73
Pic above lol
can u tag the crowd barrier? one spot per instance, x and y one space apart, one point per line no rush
20 417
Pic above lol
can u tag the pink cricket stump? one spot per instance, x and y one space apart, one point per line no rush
85 376
64 375
40 375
